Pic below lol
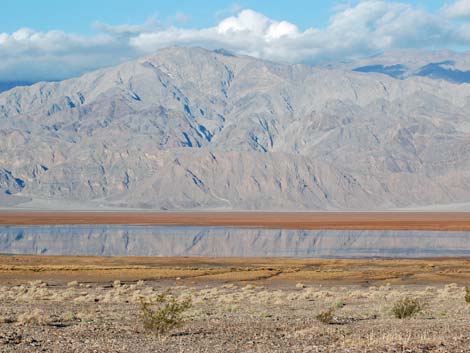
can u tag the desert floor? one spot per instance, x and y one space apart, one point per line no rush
65 304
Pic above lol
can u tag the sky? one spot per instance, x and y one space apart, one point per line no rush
56 39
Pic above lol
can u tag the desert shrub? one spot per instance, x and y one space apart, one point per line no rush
36 317
165 315
406 307
69 316
6 320
467 294
326 317
339 304
85 317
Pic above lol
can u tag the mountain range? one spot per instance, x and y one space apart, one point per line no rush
189 128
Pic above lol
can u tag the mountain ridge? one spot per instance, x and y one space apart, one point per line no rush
191 128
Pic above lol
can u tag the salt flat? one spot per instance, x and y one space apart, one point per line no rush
274 220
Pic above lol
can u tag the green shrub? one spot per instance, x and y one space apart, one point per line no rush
69 316
339 304
165 315
406 307
467 294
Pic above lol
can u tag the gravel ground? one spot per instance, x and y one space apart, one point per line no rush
106 317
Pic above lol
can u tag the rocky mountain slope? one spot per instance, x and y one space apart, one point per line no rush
191 128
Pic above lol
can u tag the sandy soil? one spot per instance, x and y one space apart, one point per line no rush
266 272
276 220
89 304
235 316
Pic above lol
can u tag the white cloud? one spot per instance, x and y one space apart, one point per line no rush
29 56
368 27
458 9
359 29
254 23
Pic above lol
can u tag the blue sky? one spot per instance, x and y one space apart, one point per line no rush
78 16
56 39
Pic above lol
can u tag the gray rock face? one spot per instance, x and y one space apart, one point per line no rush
191 128
10 185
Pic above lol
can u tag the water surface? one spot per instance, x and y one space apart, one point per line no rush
229 242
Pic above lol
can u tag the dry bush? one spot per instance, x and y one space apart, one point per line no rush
406 307
36 317
467 294
166 316
6 319
326 317
85 317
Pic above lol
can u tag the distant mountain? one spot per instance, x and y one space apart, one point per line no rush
439 65
192 128
396 71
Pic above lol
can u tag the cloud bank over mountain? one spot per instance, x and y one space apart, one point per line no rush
364 28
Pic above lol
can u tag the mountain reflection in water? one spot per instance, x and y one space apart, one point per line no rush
230 242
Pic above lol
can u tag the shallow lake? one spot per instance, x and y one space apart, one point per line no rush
229 242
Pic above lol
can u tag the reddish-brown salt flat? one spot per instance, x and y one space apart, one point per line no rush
450 221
